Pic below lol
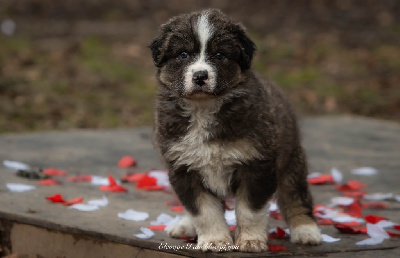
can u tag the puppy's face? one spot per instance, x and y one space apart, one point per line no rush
201 55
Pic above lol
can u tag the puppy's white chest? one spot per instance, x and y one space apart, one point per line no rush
214 160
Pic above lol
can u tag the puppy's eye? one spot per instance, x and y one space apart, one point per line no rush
219 56
184 55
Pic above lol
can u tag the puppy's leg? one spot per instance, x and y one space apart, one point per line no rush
295 201
206 211
184 227
258 184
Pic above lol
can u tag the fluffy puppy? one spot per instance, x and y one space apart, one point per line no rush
225 132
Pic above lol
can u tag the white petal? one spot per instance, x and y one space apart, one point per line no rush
99 202
336 175
172 222
99 180
15 165
146 233
346 218
20 187
313 175
329 239
162 219
345 201
230 217
133 215
84 207
364 171
378 196
375 231
397 197
371 241
385 224
273 206
162 177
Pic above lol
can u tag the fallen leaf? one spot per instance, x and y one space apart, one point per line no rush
20 187
54 172
126 162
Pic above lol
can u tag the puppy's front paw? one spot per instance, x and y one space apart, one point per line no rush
183 228
306 234
215 243
252 246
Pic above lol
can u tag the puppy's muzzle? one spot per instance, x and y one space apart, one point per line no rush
200 77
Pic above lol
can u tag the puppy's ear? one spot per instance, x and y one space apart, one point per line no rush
157 50
247 48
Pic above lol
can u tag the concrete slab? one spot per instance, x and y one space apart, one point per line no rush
27 219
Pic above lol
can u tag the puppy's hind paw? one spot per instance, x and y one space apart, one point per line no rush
306 235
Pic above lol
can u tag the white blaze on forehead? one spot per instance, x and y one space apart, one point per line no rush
204 30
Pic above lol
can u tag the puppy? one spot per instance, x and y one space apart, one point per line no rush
225 132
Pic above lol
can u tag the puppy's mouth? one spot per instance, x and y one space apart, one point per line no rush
199 94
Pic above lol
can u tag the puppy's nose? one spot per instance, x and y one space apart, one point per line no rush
200 76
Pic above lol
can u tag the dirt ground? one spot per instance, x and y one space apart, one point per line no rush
85 64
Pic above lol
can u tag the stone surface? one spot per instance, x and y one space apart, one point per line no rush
341 142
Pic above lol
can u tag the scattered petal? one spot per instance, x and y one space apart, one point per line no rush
344 219
277 233
146 181
344 201
371 241
126 162
133 215
373 219
161 176
273 206
336 175
329 239
354 209
84 207
99 202
133 177
374 205
232 228
172 222
364 171
100 180
80 178
324 221
396 227
73 201
49 181
350 230
277 248
176 208
230 217
275 215
313 175
189 239
56 198
351 186
385 224
157 227
354 194
375 231
397 198
18 188
15 165
113 186
54 172
162 219
378 196
146 233
320 180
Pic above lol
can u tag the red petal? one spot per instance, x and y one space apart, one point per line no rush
396 227
134 177
146 181
374 205
232 228
157 227
350 230
374 219
54 172
175 202
351 186
80 178
176 208
49 181
352 224
112 181
277 248
189 239
324 221
55 198
153 187
114 188
73 201
275 215
126 162
279 234
355 194
322 179
353 209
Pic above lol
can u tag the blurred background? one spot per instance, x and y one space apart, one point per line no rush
85 64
